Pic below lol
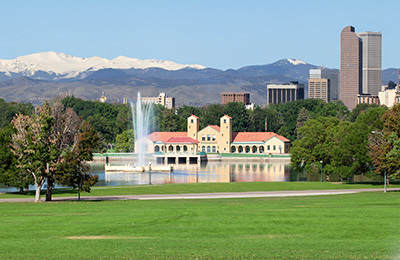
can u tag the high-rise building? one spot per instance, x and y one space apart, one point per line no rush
371 62
235 97
319 89
350 66
360 65
333 85
282 93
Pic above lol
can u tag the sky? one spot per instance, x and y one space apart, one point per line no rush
214 33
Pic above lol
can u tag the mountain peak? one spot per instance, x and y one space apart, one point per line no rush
296 61
70 66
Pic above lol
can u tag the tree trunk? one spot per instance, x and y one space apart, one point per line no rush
21 190
79 195
37 195
49 190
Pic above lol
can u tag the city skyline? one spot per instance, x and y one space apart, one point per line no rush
216 34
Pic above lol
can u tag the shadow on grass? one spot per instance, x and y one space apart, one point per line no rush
375 183
43 192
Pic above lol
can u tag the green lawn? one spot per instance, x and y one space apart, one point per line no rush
205 188
353 226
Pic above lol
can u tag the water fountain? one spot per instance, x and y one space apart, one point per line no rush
142 115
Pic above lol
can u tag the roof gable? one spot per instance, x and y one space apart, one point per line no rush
181 140
214 127
256 137
164 136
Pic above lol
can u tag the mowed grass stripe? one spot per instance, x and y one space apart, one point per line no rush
202 188
352 226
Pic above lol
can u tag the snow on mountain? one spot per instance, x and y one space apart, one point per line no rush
296 61
70 66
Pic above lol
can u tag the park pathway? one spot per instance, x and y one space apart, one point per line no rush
219 195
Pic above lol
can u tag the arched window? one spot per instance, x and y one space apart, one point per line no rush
247 149
178 148
261 149
240 149
171 148
208 149
203 149
233 149
185 148
156 148
214 149
254 149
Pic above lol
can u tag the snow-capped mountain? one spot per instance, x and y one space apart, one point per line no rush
67 66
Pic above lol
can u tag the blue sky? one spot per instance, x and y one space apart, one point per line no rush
219 34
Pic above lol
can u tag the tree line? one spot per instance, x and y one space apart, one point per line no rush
320 131
368 143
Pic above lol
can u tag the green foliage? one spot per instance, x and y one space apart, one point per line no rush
125 141
9 110
75 170
10 175
359 109
107 119
385 144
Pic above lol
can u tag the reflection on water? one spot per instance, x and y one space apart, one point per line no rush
276 171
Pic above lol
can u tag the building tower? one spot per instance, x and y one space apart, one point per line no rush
193 126
350 67
333 82
224 142
371 62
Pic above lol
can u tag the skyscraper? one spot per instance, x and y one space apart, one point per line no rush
350 66
360 65
371 62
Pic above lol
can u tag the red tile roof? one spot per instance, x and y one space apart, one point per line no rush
181 139
195 116
255 136
228 116
215 127
165 136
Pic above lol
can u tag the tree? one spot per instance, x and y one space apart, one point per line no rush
301 119
385 144
125 141
10 175
75 171
34 145
64 131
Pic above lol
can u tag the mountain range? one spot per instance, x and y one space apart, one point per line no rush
41 76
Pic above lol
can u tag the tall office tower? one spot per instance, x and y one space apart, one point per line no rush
350 66
318 89
332 75
371 62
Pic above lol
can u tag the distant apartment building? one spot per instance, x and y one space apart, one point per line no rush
162 99
319 89
235 97
333 82
282 93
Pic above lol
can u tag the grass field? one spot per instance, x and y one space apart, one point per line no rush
204 188
353 226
